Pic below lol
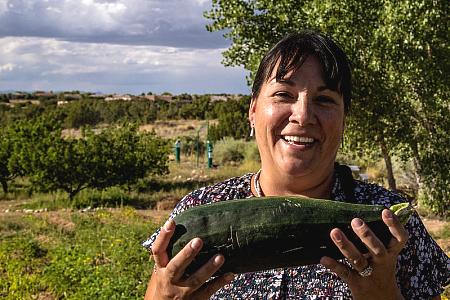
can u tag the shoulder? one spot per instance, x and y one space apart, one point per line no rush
369 193
230 189
233 188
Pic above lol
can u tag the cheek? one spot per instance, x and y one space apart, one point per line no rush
273 115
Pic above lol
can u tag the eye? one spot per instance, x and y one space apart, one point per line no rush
325 99
283 95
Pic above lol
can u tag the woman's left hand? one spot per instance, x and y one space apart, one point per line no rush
381 284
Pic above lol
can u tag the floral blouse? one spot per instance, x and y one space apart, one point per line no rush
422 268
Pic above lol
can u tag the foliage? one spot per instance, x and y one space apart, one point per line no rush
92 256
233 119
391 45
230 150
116 156
7 173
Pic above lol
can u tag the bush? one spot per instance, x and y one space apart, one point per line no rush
230 150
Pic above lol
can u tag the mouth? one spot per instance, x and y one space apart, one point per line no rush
298 140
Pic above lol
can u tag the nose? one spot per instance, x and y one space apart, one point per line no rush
302 111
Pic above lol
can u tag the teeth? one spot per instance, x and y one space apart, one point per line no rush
298 139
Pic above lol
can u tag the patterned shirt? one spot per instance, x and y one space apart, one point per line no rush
422 267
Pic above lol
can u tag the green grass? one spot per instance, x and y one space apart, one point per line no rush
74 255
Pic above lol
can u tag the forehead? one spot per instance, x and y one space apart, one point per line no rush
309 70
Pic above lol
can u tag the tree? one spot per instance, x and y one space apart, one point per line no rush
7 172
391 45
116 156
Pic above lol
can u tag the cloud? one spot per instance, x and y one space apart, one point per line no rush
7 67
175 23
114 46
51 64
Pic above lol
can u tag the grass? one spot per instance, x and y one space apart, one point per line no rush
75 255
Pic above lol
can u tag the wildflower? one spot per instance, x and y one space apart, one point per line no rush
118 240
112 245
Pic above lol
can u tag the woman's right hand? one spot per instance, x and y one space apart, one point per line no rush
170 281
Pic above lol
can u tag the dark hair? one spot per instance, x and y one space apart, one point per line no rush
293 50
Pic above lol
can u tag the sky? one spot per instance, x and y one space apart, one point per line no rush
114 46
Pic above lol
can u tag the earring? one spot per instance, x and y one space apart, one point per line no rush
252 131
342 142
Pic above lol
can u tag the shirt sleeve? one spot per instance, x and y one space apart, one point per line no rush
178 209
423 268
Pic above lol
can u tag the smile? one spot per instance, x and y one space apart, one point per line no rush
293 139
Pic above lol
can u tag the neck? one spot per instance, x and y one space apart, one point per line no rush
292 186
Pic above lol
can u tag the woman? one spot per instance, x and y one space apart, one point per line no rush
300 98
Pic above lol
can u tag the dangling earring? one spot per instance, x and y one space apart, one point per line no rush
252 131
342 141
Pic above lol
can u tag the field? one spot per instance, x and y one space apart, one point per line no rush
90 249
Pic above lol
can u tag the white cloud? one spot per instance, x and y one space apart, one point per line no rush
177 23
122 46
50 64
7 67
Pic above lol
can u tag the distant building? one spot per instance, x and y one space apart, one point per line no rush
50 95
119 97
16 96
95 96
62 102
73 96
167 98
183 102
218 98
148 97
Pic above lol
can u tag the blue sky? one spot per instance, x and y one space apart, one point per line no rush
113 46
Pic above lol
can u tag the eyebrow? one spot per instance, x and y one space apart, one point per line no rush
291 83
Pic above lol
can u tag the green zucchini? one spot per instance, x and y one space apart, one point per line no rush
274 232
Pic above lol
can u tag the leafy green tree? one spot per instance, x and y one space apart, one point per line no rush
400 56
116 156
7 173
143 111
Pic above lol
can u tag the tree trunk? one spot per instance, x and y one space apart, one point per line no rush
5 186
417 167
387 161
422 191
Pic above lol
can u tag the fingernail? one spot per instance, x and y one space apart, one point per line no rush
337 235
357 223
389 214
229 276
168 226
217 260
195 244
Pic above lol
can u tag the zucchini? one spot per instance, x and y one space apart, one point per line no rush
274 232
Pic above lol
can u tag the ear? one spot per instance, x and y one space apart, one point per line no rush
252 110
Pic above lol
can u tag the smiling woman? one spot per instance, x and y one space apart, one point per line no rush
301 96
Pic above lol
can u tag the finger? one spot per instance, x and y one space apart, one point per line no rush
399 234
160 245
213 286
176 266
343 271
205 272
372 243
348 249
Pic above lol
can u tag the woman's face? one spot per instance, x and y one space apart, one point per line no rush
299 123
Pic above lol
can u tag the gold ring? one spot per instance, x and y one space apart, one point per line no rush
366 272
